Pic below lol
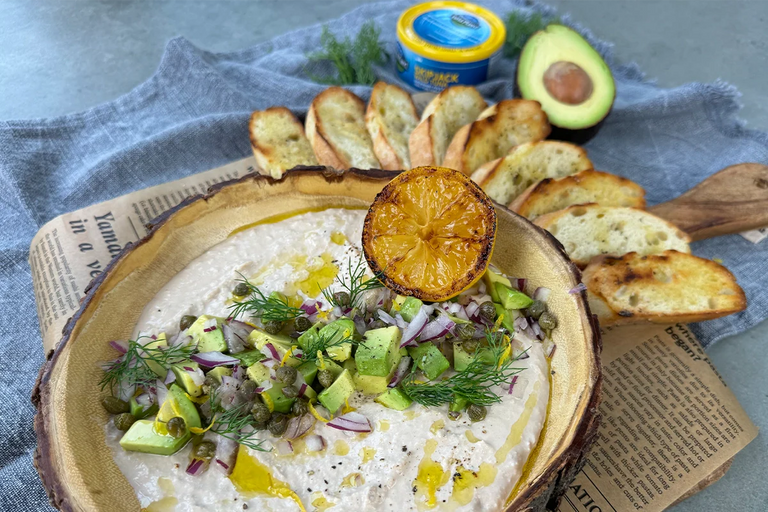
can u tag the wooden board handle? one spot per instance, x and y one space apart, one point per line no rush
730 201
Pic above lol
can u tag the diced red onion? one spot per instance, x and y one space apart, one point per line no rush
401 323
197 376
551 350
181 341
537 330
238 373
512 384
269 363
170 377
299 425
541 294
581 287
144 399
125 390
315 443
270 351
386 318
473 310
196 467
429 308
120 346
322 411
239 326
309 306
351 422
108 365
226 452
234 343
337 312
302 389
223 464
414 328
520 283
400 372
359 324
436 329
481 297
481 286
161 392
214 359
210 325
521 323
284 447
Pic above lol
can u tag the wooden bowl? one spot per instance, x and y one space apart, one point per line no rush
72 458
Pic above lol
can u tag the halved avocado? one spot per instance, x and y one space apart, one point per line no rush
559 69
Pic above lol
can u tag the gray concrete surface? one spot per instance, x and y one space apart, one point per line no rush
61 56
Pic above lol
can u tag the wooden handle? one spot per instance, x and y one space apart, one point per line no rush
730 201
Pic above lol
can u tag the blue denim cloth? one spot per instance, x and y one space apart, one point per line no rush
192 116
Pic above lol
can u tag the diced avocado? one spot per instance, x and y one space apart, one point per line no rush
512 299
139 411
218 372
181 406
185 379
370 384
429 359
333 367
156 367
258 373
310 335
249 357
507 317
379 352
458 320
409 308
336 331
395 399
403 351
310 393
335 396
282 344
350 365
211 341
308 370
457 404
141 437
491 278
462 358
276 398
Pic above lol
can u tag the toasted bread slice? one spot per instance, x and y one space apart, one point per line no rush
505 178
664 288
590 186
390 118
447 112
590 230
336 129
278 141
501 127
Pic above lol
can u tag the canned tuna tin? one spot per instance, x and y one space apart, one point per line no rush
447 43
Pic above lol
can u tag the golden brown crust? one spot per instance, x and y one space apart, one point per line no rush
262 152
382 148
324 151
420 144
453 155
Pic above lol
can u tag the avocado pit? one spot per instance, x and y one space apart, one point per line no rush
568 83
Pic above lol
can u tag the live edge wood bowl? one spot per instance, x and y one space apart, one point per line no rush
72 458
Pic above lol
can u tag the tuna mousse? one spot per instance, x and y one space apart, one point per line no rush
276 372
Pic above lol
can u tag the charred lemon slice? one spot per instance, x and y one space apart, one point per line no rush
429 233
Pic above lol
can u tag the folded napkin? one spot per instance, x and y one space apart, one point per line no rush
192 116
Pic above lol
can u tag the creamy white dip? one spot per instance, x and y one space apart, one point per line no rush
405 451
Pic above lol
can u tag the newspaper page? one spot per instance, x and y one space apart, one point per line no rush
668 419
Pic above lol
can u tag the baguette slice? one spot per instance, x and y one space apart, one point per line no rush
590 186
663 288
336 130
505 178
447 112
498 129
390 118
590 230
278 141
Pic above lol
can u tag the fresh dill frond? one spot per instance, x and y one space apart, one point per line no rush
321 344
353 60
230 423
265 308
475 383
134 369
353 284
520 27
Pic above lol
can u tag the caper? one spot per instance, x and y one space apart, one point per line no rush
470 346
273 326
286 374
488 311
547 321
248 388
454 415
377 324
210 384
205 450
325 378
259 426
241 290
536 309
260 412
278 424
290 391
186 321
464 332
176 427
300 407
301 323
476 412
341 299
124 421
114 405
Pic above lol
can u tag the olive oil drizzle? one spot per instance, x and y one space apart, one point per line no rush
430 477
287 215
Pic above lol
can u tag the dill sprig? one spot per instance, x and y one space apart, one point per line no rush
353 60
353 284
230 423
475 383
265 308
135 367
520 27
321 343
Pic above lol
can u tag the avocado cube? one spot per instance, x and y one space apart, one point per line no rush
410 307
250 357
457 404
462 358
379 352
337 394
211 341
335 332
350 365
429 359
182 406
512 299
280 343
395 399
333 367
310 393
279 401
309 336
185 379
160 342
258 373
218 372
308 370
507 317
370 384
491 278
141 437
139 411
